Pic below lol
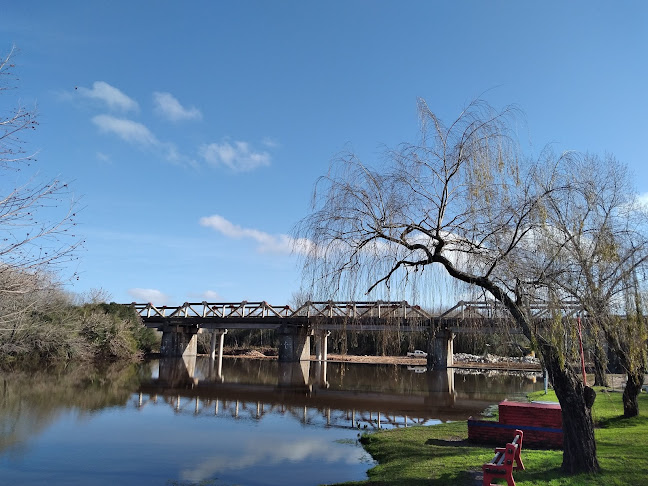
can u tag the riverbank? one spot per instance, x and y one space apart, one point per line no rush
442 455
461 360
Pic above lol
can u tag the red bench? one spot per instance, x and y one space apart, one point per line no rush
506 459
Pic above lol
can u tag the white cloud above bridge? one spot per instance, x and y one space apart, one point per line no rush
154 296
266 242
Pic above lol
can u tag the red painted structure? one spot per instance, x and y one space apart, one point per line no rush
540 422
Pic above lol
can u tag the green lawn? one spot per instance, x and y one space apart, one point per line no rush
441 454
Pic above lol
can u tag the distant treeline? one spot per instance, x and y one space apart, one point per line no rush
375 343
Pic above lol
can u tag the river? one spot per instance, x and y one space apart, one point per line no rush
252 423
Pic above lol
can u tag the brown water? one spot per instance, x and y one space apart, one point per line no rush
254 423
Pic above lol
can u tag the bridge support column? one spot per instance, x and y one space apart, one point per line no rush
321 345
440 350
218 336
179 341
294 344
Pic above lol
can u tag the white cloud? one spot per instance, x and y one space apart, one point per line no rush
136 133
267 243
207 296
167 106
643 199
113 97
211 295
105 158
270 142
153 296
248 454
238 156
128 130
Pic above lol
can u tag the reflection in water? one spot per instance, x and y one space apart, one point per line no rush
250 422
332 394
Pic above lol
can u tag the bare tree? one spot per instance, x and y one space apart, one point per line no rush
598 233
37 219
465 201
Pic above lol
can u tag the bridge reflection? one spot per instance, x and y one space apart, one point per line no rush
255 389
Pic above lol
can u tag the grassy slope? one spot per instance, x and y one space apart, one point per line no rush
441 455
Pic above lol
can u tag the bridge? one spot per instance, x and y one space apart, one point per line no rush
181 324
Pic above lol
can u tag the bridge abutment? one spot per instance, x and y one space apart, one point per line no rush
179 341
294 344
440 350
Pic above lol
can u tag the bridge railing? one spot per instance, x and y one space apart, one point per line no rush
357 310
222 309
492 309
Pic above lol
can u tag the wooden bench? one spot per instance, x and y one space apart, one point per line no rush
506 459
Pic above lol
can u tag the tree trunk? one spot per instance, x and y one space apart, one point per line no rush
600 365
631 393
576 400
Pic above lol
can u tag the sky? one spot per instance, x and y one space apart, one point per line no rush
192 133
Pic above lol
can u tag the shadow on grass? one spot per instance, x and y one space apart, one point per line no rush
622 422
449 443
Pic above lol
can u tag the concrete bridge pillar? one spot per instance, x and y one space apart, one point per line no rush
294 344
321 345
179 341
440 350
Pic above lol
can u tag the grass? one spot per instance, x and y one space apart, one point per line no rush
442 455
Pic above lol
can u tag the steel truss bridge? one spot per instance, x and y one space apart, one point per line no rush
465 316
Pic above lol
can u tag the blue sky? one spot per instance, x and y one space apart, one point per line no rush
194 131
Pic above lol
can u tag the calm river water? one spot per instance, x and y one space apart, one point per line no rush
256 422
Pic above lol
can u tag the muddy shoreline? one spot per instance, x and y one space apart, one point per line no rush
502 364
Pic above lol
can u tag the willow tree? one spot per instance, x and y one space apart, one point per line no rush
597 232
462 200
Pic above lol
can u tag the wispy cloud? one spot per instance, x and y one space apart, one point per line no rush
138 134
246 454
128 130
207 296
270 142
154 296
104 158
111 96
238 156
167 106
266 242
